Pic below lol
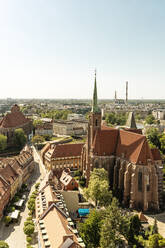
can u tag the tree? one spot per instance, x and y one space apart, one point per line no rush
153 136
3 244
162 143
38 139
154 240
114 227
19 138
150 119
90 229
28 230
3 142
155 227
134 227
98 188
37 122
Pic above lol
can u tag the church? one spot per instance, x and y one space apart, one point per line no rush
133 167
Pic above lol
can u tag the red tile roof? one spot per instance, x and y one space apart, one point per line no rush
134 147
67 150
105 141
9 174
129 145
14 119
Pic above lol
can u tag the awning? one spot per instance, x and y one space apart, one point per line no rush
83 211
19 203
14 215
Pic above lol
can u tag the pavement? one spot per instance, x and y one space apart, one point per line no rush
160 222
13 234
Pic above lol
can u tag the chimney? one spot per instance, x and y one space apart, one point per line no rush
126 97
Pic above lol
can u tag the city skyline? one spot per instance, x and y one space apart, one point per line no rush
50 49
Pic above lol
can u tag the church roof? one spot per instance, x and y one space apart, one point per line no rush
131 123
105 141
13 119
129 145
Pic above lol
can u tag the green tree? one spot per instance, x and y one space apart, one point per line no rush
90 229
150 119
3 244
37 122
98 188
134 227
153 136
38 139
28 230
3 142
162 143
161 243
19 138
154 240
155 227
114 227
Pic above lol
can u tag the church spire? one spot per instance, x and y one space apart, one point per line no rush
95 108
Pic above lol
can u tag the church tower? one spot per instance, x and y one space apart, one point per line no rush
94 117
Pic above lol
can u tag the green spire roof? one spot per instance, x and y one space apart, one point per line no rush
95 108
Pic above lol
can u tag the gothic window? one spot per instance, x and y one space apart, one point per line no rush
140 181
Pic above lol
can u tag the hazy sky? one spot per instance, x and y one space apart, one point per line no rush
50 48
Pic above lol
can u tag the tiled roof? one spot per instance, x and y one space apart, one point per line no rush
133 130
134 147
105 141
129 145
156 154
3 187
9 174
67 150
14 119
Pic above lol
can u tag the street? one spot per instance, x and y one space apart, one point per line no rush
13 234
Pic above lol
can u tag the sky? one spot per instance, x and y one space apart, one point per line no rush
50 48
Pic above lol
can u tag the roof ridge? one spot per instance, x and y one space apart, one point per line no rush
49 208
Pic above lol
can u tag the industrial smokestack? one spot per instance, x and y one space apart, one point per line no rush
115 95
126 97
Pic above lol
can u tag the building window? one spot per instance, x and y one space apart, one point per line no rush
140 181
96 122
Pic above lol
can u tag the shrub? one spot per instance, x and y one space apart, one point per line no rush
7 220
16 198
77 173
29 239
29 229
37 185
10 209
29 246
28 222
29 218
3 244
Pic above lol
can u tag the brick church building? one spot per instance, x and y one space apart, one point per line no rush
14 120
133 167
